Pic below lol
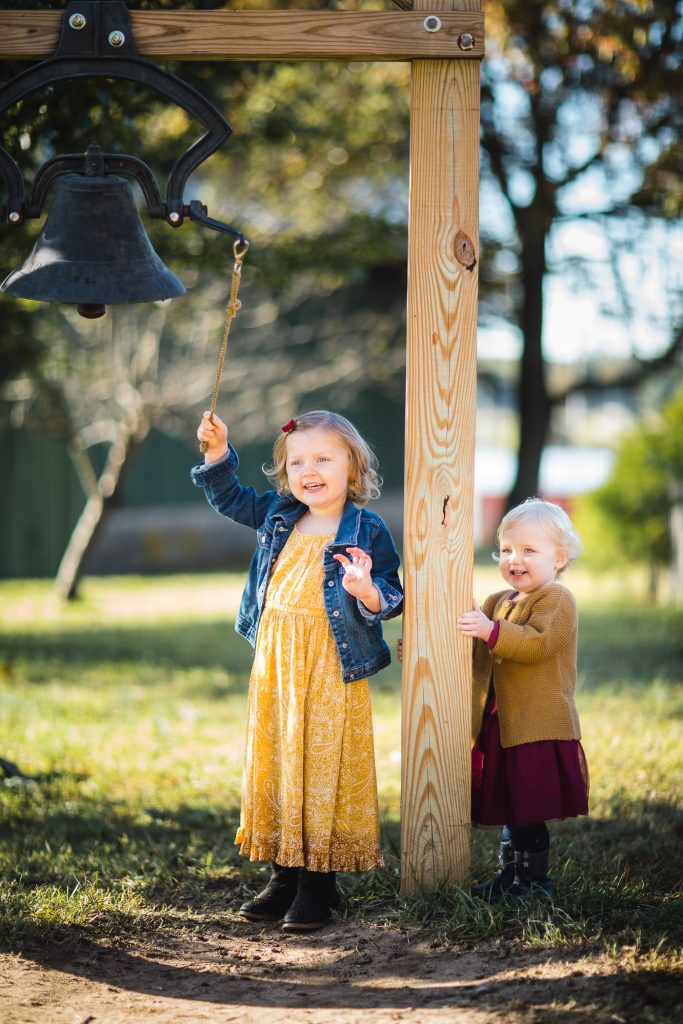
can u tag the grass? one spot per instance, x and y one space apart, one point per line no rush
127 709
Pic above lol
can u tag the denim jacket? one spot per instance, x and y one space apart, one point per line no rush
356 630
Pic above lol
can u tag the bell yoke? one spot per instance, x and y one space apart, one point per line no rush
93 249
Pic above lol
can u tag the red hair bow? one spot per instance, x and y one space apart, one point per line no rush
288 427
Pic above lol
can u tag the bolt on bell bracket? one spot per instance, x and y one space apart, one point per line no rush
96 41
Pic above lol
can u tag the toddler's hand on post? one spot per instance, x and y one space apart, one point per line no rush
213 437
475 623
357 579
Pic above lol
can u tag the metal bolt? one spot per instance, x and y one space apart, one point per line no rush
15 217
116 38
174 217
432 23
466 41
77 21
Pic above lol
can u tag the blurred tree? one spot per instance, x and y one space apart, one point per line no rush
633 509
581 120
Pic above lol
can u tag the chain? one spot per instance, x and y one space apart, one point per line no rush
233 307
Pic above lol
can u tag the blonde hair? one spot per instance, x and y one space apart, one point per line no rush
554 521
364 480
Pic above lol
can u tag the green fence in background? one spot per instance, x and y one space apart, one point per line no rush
42 498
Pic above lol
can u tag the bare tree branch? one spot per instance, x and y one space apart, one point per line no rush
631 376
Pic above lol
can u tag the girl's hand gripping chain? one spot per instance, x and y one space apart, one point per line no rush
214 434
357 580
475 623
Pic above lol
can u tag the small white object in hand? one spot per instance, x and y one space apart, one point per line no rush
353 571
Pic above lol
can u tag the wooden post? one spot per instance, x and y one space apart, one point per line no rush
439 465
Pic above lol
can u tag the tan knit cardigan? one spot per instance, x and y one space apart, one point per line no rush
533 664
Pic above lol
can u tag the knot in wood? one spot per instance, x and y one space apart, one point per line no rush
464 251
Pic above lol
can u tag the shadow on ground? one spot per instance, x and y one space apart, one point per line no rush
381 971
178 645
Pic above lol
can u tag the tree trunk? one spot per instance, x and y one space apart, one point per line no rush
534 403
93 515
84 533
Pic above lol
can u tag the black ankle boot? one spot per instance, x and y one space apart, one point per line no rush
531 875
276 898
316 897
496 887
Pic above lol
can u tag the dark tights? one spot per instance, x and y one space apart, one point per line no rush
534 838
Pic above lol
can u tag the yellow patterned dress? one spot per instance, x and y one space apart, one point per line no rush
309 788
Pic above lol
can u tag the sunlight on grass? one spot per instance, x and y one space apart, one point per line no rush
121 599
127 708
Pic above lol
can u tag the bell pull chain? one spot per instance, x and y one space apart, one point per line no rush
239 249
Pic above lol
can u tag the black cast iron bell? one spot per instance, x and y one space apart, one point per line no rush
93 251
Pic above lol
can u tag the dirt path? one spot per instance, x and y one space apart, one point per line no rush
353 972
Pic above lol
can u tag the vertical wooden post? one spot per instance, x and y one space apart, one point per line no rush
439 467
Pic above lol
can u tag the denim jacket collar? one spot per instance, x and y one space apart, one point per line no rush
347 532
349 524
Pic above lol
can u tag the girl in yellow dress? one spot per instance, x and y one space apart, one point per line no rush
323 577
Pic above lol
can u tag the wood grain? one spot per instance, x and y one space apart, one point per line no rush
263 35
439 470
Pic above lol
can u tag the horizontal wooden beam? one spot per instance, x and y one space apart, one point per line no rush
265 35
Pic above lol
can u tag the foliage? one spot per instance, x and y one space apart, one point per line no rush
631 512
580 127
128 710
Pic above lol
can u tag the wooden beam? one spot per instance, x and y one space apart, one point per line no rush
264 35
440 433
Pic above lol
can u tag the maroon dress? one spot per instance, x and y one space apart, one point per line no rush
526 784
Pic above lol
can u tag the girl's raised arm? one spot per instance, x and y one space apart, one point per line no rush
224 492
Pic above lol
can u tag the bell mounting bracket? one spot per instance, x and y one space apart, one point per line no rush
96 41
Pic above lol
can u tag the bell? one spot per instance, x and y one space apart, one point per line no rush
93 250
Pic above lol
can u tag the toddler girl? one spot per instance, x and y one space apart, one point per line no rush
528 765
324 575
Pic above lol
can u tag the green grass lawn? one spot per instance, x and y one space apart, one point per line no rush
128 708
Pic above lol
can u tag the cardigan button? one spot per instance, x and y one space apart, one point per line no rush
330 583
345 646
282 529
336 613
